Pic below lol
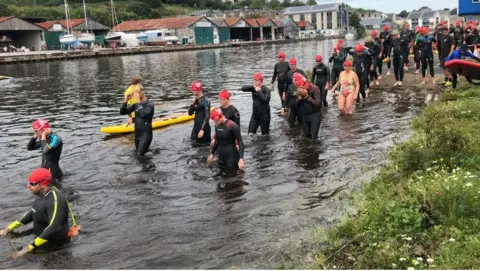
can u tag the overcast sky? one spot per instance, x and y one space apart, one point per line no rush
390 6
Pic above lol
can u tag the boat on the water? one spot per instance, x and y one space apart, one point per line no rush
5 80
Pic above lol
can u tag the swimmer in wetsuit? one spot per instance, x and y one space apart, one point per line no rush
49 214
292 102
280 73
338 58
321 72
227 136
144 110
136 82
201 108
51 145
229 111
261 105
311 98
425 43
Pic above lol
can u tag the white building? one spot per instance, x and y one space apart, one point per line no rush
423 19
323 17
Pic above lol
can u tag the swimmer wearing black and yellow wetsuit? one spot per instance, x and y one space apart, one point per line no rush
144 110
227 136
49 214
51 145
201 108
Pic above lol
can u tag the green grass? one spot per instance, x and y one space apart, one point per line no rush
422 210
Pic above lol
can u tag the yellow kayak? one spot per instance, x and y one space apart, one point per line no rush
156 123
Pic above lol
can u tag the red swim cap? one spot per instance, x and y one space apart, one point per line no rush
216 114
224 94
374 33
347 63
386 27
340 42
458 22
318 58
300 82
282 55
359 48
426 30
293 61
258 76
196 86
40 125
40 176
297 76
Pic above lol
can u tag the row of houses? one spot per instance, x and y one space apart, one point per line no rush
18 32
423 18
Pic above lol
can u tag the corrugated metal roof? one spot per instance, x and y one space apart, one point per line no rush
3 19
303 23
428 14
219 22
16 24
252 22
377 21
166 23
231 21
279 23
77 24
309 9
414 15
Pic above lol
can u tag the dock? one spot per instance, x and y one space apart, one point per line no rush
44 56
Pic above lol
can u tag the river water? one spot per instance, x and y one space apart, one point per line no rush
170 210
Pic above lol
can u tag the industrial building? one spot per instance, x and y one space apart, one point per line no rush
18 33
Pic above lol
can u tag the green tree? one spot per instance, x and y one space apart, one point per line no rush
403 14
4 10
258 4
274 4
311 2
355 22
286 3
297 3
153 3
453 12
139 8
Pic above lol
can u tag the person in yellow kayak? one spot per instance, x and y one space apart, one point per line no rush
49 214
136 82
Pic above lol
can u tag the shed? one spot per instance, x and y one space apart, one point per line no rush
290 28
54 29
223 30
18 32
239 29
255 29
268 28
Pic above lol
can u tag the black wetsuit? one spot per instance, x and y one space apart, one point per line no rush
360 64
261 110
337 68
312 116
439 36
294 110
386 36
280 73
51 152
49 214
472 38
446 44
425 45
232 114
143 124
201 109
399 51
321 73
417 54
376 49
458 35
406 37
227 135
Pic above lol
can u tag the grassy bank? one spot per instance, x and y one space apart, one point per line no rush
422 210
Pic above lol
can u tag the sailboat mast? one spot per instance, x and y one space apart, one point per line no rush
66 15
85 12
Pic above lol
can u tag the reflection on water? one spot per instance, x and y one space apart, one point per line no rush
170 209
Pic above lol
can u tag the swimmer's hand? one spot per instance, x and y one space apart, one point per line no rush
241 164
210 158
5 232
21 253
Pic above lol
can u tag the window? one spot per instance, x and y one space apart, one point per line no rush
302 17
290 16
314 18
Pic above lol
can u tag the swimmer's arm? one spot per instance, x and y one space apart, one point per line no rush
55 216
214 147
316 100
54 142
124 110
248 89
144 110
328 73
314 72
206 105
473 56
238 137
357 84
33 144
236 117
27 218
274 73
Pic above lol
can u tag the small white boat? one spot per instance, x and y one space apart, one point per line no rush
5 80
113 36
67 39
349 36
87 38
142 36
160 37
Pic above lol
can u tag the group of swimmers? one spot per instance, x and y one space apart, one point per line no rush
303 99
